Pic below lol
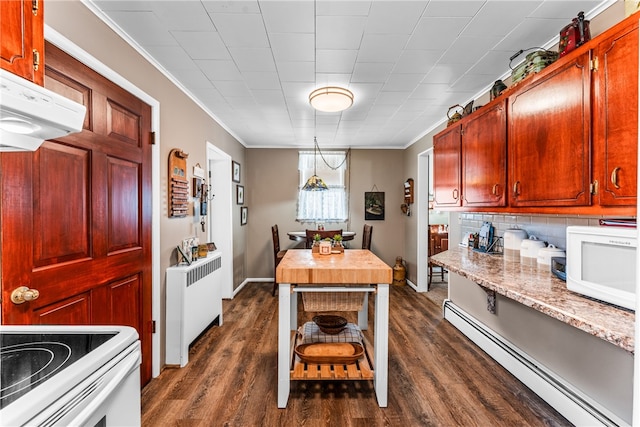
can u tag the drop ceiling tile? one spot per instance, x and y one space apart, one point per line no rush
469 50
219 70
417 61
181 15
171 57
381 48
371 72
262 80
249 59
402 82
292 47
144 27
202 45
437 33
233 6
241 31
343 7
288 16
532 32
110 5
446 8
510 14
563 9
192 79
232 89
339 32
335 61
398 17
296 71
392 98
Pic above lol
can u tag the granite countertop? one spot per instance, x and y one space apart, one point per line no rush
542 291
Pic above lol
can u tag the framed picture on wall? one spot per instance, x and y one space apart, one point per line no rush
240 194
374 205
235 171
243 215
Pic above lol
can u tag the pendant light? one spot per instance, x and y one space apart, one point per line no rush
315 183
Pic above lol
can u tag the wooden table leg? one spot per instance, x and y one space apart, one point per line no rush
285 323
381 345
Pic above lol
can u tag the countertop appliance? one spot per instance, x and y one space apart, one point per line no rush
69 375
601 263
513 237
29 114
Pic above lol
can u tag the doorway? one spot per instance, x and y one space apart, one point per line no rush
220 218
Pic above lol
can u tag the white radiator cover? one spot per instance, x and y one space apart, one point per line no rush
571 403
194 300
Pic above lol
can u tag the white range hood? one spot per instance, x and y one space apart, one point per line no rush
31 114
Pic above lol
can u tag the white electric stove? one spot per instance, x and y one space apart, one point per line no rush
69 375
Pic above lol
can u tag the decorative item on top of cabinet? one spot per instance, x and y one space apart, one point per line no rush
22 37
178 184
574 35
456 115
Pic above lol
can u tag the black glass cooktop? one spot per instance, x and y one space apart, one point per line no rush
28 360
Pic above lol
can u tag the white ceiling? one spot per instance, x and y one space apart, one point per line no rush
252 64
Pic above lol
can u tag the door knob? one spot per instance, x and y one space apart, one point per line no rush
23 294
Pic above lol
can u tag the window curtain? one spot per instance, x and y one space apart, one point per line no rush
323 206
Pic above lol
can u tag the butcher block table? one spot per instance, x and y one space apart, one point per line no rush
362 271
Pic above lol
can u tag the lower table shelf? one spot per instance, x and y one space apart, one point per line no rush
361 370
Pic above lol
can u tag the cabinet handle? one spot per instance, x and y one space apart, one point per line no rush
515 188
494 191
36 60
614 177
455 194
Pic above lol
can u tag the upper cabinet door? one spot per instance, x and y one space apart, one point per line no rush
484 157
22 39
446 167
615 111
549 138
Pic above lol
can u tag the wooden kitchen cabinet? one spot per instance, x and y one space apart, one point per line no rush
484 157
470 160
549 138
22 39
615 112
446 167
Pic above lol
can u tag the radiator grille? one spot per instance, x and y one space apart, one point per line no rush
203 270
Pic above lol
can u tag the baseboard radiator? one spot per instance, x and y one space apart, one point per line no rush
570 402
194 301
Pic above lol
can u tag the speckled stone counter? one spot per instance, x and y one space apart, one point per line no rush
543 292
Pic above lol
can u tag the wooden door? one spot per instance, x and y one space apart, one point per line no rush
616 109
484 157
549 138
76 214
22 38
446 167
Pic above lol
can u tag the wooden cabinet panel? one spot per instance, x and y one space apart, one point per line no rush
549 138
484 157
446 167
70 311
616 111
22 33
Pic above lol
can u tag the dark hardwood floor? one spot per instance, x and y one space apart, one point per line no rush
437 377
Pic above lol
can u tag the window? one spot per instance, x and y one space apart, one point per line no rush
323 206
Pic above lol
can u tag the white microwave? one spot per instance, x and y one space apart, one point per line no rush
601 263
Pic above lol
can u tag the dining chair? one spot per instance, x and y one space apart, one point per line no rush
366 237
277 255
323 235
438 242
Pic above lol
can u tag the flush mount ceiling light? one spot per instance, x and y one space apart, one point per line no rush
331 99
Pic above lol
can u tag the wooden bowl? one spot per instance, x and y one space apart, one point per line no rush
330 352
330 324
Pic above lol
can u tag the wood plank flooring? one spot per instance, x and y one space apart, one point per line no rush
437 377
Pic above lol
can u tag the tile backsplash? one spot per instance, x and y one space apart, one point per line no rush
550 228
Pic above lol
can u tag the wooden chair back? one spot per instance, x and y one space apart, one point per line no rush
277 254
275 236
323 235
366 237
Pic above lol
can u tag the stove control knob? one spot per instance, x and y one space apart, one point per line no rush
23 294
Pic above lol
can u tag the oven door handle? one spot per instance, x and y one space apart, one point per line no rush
124 368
